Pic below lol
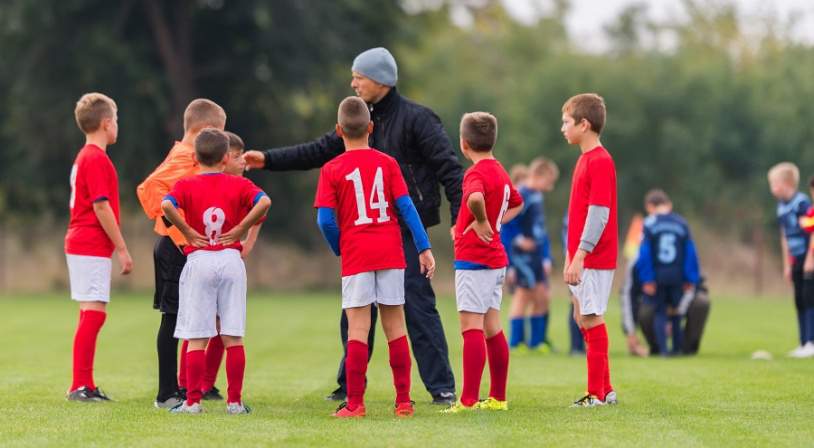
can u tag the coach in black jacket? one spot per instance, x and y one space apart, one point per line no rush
415 137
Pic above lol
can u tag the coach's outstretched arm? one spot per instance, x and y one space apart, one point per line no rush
305 156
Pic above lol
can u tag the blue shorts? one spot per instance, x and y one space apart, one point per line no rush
667 296
528 268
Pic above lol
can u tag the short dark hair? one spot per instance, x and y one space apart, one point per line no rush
235 142
353 117
656 197
210 146
479 130
587 106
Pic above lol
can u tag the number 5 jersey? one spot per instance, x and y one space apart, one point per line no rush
489 178
213 203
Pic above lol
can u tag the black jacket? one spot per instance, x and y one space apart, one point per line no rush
407 131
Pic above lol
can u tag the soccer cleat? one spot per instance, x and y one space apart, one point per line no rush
405 409
83 394
806 351
458 408
610 398
237 408
796 352
212 394
185 408
444 398
337 395
169 403
101 396
343 412
588 401
520 349
492 404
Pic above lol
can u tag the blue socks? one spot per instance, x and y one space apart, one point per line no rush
539 325
517 333
577 343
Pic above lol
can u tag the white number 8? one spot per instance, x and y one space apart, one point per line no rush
213 219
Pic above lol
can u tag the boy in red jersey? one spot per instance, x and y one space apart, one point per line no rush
489 200
219 210
93 235
590 260
354 201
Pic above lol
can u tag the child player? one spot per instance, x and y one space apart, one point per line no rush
667 267
93 236
592 238
489 199
219 209
529 254
168 254
355 201
214 349
798 258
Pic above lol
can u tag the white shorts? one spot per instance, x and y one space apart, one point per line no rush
479 290
385 286
89 277
213 284
593 292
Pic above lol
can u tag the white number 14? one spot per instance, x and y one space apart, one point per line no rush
377 199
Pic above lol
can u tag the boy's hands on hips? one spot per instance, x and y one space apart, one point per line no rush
482 229
194 238
427 262
125 261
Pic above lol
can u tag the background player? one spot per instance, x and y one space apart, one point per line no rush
354 199
93 235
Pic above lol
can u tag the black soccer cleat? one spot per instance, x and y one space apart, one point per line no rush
212 394
83 394
100 396
337 395
444 398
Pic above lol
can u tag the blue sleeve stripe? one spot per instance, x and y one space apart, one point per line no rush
172 199
469 266
410 216
257 198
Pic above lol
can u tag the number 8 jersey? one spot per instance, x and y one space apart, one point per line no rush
213 203
489 178
362 185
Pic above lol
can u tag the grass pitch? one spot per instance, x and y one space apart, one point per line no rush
719 398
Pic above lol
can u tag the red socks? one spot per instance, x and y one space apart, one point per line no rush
597 354
401 364
235 368
182 365
474 362
355 371
498 350
195 365
214 356
84 347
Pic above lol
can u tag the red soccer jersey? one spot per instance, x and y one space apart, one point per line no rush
594 183
93 179
490 178
362 185
213 204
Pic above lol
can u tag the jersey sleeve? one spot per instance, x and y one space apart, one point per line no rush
326 191
177 195
602 183
398 187
99 178
473 183
250 193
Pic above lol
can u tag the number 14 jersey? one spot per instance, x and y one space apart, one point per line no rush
489 178
213 203
362 185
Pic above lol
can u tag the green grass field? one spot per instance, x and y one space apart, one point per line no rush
719 398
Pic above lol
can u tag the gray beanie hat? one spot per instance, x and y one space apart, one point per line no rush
377 64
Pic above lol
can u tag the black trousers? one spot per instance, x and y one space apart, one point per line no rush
423 328
694 325
168 263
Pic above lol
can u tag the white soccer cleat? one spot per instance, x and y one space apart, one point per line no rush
184 408
806 351
796 352
237 408
610 398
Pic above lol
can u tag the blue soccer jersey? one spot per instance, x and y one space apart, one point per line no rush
788 216
667 254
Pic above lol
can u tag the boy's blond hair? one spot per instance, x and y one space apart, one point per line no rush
542 166
203 113
587 106
91 109
479 130
518 173
353 117
235 142
786 172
